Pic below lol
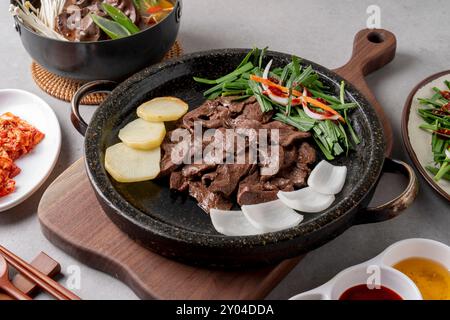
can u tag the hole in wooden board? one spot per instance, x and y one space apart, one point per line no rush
375 37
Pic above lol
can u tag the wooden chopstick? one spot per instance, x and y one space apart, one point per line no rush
46 283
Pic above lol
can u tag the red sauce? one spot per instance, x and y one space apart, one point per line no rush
273 80
296 101
446 108
362 292
443 133
446 94
325 102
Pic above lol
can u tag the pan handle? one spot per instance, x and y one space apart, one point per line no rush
392 208
372 49
90 87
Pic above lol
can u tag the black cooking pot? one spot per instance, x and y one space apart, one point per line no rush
175 226
106 60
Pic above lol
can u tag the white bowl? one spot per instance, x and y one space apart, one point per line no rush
379 271
39 163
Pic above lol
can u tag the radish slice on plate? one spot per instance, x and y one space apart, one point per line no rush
306 200
232 223
327 179
271 216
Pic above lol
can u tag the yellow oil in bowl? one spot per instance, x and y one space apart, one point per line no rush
431 277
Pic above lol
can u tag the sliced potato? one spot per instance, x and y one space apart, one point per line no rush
126 164
163 109
141 134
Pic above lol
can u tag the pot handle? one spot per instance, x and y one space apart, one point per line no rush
178 11
90 87
392 208
17 26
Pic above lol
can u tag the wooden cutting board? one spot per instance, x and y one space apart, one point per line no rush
73 220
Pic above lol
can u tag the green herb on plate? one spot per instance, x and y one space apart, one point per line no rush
297 96
436 115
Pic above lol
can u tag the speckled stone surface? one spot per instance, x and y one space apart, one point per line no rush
148 212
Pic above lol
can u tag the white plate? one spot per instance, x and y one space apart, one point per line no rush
37 165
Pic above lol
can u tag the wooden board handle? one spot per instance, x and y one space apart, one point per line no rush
372 49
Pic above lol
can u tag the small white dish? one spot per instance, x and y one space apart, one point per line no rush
39 163
357 275
381 268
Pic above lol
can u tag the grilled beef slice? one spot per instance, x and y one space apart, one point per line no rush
208 199
218 186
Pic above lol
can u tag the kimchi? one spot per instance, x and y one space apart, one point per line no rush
17 137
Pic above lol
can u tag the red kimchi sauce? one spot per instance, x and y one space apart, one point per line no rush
17 137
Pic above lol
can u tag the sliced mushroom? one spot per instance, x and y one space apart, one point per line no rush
89 30
67 22
75 23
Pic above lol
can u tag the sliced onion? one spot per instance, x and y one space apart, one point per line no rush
232 223
271 216
447 153
327 179
280 100
266 74
306 200
315 115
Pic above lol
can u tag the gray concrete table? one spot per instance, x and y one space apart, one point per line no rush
321 31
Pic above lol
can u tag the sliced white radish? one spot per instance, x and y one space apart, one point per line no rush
232 223
126 164
163 109
271 216
327 179
306 200
141 134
